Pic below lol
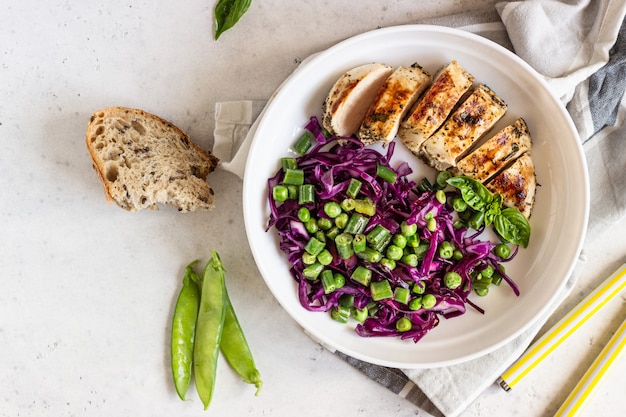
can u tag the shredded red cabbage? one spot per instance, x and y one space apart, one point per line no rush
330 165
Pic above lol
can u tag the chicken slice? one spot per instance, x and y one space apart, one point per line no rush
473 118
393 100
517 184
451 83
350 97
496 152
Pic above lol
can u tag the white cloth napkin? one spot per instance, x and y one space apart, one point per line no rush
570 43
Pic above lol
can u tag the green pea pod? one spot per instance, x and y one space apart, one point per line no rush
236 349
227 13
183 331
209 329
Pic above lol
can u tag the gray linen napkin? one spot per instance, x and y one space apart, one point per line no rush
576 46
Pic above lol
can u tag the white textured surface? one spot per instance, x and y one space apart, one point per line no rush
87 290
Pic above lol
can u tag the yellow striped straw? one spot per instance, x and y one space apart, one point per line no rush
545 345
590 382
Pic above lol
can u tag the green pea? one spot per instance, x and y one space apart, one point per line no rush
280 193
404 324
183 331
458 204
394 252
304 215
428 301
440 195
399 240
452 280
332 209
502 250
311 225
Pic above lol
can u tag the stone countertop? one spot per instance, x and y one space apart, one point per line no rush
87 289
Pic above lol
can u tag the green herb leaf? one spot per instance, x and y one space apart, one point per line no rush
476 195
493 209
227 13
512 226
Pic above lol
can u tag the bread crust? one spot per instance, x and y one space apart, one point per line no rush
143 160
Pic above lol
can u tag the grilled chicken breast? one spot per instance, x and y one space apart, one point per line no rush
474 117
496 152
451 83
393 100
517 184
350 97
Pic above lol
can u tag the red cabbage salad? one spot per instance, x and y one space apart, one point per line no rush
368 245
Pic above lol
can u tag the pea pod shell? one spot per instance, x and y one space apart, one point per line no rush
183 332
209 329
235 348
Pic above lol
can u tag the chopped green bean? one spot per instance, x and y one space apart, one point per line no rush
402 295
325 257
343 242
409 259
328 281
385 173
359 314
306 194
381 290
359 242
303 144
442 179
294 177
313 271
378 235
362 275
289 163
365 206
347 204
356 224
314 246
308 259
324 223
340 314
292 191
369 255
342 220
353 188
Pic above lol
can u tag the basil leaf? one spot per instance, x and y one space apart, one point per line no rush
512 226
493 209
476 195
227 13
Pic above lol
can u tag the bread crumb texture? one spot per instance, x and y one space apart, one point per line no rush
143 160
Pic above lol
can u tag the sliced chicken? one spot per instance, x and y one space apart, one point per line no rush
496 152
451 83
394 99
473 118
350 97
517 184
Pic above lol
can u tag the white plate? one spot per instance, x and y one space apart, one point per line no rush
558 222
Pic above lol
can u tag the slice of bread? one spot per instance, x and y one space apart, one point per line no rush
143 160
